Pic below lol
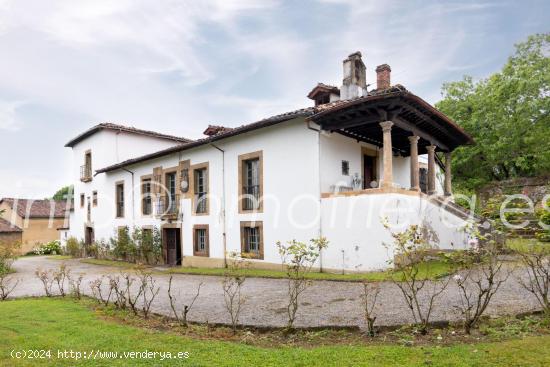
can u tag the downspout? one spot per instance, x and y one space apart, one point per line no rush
133 197
320 197
223 206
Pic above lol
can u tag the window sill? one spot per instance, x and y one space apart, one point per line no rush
252 256
202 254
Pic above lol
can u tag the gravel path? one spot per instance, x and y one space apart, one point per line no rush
325 303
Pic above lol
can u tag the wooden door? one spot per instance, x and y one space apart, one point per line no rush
369 172
172 244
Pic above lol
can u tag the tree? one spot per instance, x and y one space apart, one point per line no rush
508 116
64 193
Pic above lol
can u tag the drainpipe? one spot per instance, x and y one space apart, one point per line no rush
223 206
133 197
320 189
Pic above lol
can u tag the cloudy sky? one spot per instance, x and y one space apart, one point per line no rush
176 66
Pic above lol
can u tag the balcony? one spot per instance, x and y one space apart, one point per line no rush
168 206
85 173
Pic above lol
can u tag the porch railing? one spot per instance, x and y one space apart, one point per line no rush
168 205
85 173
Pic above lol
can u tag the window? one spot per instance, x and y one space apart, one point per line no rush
345 168
201 191
171 198
251 182
146 199
252 239
89 211
86 169
120 200
82 200
94 198
200 240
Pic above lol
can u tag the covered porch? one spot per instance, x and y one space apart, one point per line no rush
398 125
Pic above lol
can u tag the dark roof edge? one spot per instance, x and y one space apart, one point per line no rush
234 132
130 130
391 94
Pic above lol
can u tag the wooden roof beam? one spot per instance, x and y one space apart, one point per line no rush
405 125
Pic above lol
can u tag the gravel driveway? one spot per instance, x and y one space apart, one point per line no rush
325 303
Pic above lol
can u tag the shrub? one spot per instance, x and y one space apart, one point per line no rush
299 258
481 276
413 249
50 248
543 216
73 247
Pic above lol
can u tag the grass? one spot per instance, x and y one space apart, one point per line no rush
526 244
59 257
432 270
63 324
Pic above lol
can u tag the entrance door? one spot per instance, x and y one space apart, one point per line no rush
369 171
172 243
89 236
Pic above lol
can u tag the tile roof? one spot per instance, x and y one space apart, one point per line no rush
36 208
226 134
127 129
7 227
309 112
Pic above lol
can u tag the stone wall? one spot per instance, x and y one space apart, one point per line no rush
536 188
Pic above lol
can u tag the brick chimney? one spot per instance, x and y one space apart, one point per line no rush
383 77
354 83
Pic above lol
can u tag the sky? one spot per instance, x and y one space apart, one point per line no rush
177 66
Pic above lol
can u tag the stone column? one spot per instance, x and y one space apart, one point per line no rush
415 171
388 154
448 186
431 169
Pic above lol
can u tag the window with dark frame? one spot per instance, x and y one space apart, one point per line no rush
200 190
251 240
94 198
82 200
201 247
171 201
251 181
120 200
147 202
345 168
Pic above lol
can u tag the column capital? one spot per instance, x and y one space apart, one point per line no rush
413 139
386 125
431 148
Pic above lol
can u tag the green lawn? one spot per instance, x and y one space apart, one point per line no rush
60 324
435 269
59 257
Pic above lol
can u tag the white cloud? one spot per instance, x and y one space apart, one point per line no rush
8 118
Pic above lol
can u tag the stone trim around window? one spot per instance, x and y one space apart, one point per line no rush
152 193
196 252
242 158
192 169
251 255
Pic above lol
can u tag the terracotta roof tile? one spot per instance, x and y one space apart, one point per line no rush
7 227
36 208
128 129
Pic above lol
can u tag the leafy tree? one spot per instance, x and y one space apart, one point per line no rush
508 116
64 193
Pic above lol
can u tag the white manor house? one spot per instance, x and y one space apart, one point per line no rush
335 169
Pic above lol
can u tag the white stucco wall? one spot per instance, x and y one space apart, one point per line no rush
298 165
358 239
336 147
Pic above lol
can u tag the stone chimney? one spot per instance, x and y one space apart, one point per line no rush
354 83
383 73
